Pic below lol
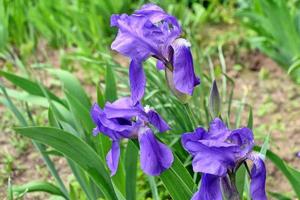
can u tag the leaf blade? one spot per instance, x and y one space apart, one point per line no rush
76 150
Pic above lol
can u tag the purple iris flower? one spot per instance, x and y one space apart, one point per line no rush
123 119
218 153
150 32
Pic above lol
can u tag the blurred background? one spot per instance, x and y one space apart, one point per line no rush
257 41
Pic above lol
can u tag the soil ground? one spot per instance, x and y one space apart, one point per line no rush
276 111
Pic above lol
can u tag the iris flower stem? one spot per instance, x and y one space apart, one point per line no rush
190 115
234 194
193 116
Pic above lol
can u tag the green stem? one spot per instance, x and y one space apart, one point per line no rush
190 115
234 194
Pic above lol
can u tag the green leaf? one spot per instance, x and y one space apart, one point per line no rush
38 186
119 177
10 105
250 119
77 150
82 179
174 184
279 196
291 174
178 181
153 187
294 66
72 85
265 145
131 159
28 85
10 193
37 100
79 174
230 97
81 114
241 176
240 110
41 148
100 97
111 88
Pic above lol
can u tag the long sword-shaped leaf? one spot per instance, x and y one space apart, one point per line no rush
110 81
241 176
38 186
291 174
178 181
72 85
153 187
41 148
28 85
77 150
131 159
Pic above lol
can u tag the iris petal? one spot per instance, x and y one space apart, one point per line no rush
218 130
214 160
137 81
142 34
155 156
160 65
184 76
210 188
242 137
258 178
156 120
122 107
109 127
190 141
131 40
112 157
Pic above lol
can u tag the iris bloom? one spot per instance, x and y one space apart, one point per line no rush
121 119
218 153
150 32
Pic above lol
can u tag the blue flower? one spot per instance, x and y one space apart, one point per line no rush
150 32
218 153
123 119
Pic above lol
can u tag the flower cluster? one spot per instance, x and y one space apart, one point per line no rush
217 153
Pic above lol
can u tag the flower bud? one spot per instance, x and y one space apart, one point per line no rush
180 96
214 101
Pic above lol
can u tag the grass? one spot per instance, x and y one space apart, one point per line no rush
281 44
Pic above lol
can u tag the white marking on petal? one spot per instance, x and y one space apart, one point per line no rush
147 108
182 42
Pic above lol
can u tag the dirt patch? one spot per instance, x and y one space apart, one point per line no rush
20 161
276 108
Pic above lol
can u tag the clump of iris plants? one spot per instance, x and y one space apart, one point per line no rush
217 152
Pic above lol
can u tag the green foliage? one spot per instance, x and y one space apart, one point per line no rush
276 24
77 150
84 25
63 23
290 173
38 186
